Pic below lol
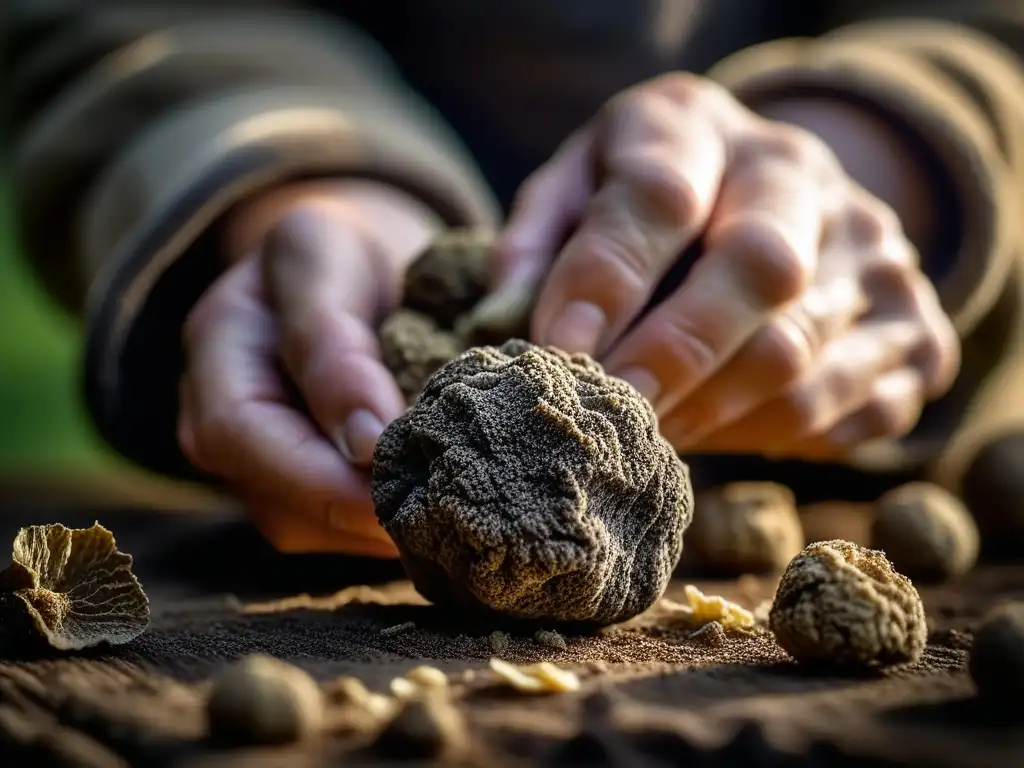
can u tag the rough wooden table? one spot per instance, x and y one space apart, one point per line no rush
648 697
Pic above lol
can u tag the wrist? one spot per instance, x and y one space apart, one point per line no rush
393 224
873 153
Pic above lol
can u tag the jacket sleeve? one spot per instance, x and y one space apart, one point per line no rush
136 126
948 75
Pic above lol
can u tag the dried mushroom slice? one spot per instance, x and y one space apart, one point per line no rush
71 588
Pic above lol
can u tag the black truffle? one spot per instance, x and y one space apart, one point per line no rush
448 279
413 347
528 482
993 490
997 656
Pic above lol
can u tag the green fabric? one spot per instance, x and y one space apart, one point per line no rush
43 425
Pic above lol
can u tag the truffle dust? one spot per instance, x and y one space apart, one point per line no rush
649 690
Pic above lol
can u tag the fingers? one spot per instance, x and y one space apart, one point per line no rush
892 409
842 384
324 287
661 163
547 206
776 358
242 425
293 534
761 252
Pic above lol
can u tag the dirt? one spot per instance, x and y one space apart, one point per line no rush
649 697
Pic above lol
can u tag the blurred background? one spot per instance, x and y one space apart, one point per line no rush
48 449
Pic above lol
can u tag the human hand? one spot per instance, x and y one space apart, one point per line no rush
284 393
805 327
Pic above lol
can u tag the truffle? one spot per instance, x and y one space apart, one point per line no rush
413 347
993 489
925 531
996 661
448 279
262 700
744 528
528 482
70 588
426 726
839 603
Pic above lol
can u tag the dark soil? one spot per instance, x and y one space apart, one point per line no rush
648 698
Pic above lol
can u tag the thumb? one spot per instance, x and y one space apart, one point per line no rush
322 283
547 207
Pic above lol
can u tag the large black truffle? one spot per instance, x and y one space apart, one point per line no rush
996 663
528 482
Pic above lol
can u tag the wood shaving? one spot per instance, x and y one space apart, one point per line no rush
703 609
544 677
353 691
305 601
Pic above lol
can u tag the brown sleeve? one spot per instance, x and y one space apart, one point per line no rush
135 127
947 74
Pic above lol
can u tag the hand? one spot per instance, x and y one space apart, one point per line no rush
805 327
284 394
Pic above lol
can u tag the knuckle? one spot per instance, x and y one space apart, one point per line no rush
683 344
665 193
767 264
622 254
884 418
793 145
789 349
870 221
803 409
890 281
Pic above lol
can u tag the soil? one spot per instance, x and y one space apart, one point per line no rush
648 696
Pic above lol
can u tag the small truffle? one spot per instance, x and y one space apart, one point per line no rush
70 588
993 489
996 662
413 347
426 726
925 531
262 700
448 279
744 528
841 604
528 482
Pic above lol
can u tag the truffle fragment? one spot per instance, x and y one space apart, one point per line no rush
842 604
711 635
262 700
550 639
996 662
744 528
70 588
925 531
528 482
413 347
448 279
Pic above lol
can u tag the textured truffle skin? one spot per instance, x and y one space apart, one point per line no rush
528 482
842 604
925 531
413 347
996 662
448 279
744 528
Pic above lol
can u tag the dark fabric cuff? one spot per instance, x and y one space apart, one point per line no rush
147 229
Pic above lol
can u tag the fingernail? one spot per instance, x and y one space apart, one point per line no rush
357 439
643 381
578 328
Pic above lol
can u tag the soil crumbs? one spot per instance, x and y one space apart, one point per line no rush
649 694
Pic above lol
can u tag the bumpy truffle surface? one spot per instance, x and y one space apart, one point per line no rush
997 656
842 604
413 347
450 277
744 528
262 700
70 588
925 531
529 482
